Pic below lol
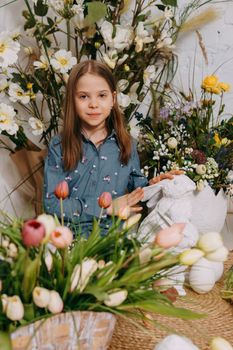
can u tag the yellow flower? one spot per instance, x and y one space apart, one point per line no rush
209 82
224 86
217 139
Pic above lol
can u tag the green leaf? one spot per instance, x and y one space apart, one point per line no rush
96 11
40 8
170 2
163 309
30 276
5 342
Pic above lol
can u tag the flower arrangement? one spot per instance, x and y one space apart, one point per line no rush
192 135
34 66
44 271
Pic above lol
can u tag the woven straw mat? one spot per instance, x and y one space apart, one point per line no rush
218 322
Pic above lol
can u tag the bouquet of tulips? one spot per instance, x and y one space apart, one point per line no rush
45 271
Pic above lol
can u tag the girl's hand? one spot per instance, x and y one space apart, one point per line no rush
168 175
129 199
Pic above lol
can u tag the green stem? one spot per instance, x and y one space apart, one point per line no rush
61 207
68 34
100 216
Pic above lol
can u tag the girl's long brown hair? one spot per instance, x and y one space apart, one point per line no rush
71 135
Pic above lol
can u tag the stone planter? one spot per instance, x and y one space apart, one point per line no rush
79 330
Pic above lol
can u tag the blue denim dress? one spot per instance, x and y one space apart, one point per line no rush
100 170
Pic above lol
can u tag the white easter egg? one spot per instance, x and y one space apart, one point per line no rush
202 276
218 268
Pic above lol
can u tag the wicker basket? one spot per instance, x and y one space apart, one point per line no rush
68 331
218 322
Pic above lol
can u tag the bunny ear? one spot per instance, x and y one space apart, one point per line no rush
151 191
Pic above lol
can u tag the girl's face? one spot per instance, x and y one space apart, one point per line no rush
93 101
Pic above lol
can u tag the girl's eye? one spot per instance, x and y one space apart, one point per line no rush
103 95
82 97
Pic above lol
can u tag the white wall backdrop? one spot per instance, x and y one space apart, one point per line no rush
218 41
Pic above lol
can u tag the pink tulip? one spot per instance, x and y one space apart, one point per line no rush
62 190
61 237
33 233
170 236
105 200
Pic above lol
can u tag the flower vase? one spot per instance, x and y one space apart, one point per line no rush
67 331
209 210
30 166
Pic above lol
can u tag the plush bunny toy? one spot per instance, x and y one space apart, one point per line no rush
169 201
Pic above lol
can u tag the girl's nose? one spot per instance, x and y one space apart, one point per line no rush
93 103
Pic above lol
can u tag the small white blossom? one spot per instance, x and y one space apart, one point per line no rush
42 64
17 94
63 61
142 37
122 39
7 119
36 125
149 75
9 49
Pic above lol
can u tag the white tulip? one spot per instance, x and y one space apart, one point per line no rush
175 342
49 223
172 142
116 298
4 299
82 274
14 308
41 296
201 169
145 255
190 256
200 185
219 343
210 241
48 260
219 254
131 221
12 250
55 302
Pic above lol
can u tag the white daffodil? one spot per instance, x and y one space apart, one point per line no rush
82 273
17 94
122 59
7 119
14 308
41 296
9 49
122 39
219 343
116 298
210 241
190 256
122 84
63 61
78 11
36 125
165 41
142 37
133 94
42 64
123 100
110 58
55 305
149 75
3 85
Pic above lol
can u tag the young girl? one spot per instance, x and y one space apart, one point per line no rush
95 153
